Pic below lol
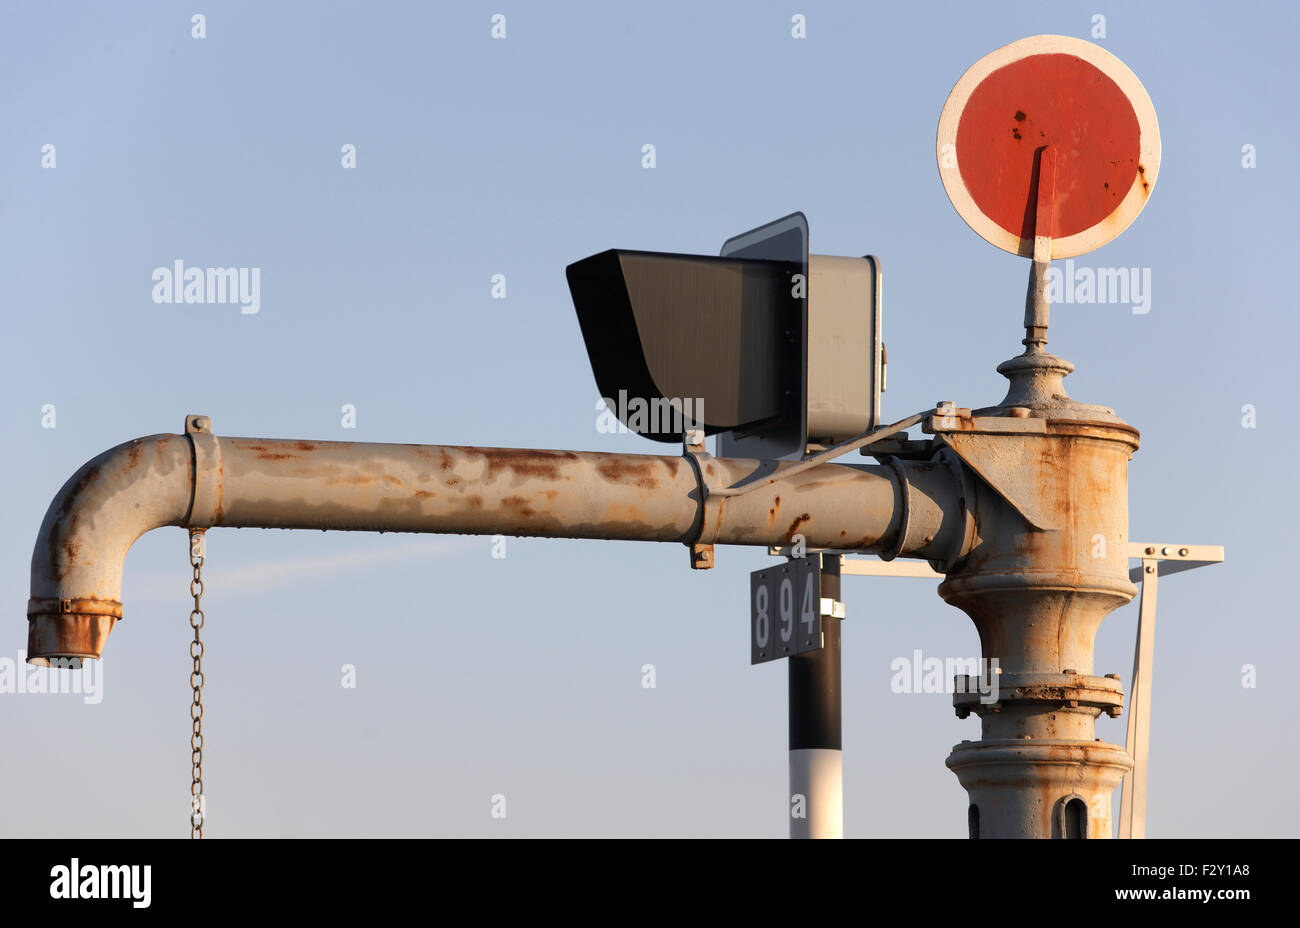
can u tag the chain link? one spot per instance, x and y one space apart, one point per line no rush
197 803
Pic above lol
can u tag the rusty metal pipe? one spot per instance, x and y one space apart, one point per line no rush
198 480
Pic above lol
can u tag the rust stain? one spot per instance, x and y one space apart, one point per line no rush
623 470
794 526
424 494
88 476
69 516
85 605
274 456
519 503
444 460
526 462
361 480
1086 429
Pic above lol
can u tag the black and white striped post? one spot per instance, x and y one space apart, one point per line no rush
816 768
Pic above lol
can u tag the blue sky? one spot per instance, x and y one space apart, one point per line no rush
522 676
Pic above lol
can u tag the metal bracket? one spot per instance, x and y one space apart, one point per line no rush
900 446
1184 557
1133 795
994 448
832 608
960 419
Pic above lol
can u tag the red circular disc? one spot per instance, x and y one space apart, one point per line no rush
1049 92
1056 100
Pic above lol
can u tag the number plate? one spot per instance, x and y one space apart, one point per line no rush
785 610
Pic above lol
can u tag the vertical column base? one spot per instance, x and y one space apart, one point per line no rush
1039 788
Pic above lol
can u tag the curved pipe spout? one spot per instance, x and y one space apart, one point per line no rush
197 480
92 522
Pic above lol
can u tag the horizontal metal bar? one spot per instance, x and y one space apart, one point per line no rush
1206 554
1172 559
865 567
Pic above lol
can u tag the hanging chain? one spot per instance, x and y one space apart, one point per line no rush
197 804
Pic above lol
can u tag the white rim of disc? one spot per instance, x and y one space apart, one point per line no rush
1148 145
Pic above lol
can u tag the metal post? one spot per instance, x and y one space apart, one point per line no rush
1133 795
816 768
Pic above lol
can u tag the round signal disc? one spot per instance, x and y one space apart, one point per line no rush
1049 90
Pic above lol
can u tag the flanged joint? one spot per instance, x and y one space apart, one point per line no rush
993 692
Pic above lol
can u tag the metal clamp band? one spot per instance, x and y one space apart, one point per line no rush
205 504
110 607
966 538
904 508
711 503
